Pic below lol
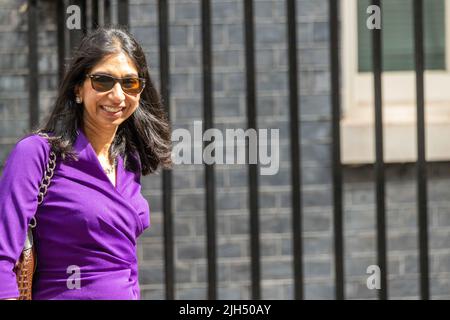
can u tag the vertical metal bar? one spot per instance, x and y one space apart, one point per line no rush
253 174
421 162
208 111
336 148
295 150
83 7
107 19
95 14
61 38
76 35
33 78
169 269
122 8
379 162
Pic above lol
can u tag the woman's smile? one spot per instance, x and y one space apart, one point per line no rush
112 111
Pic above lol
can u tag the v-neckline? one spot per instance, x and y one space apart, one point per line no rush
121 176
99 165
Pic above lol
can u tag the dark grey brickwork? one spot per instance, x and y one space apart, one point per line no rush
232 182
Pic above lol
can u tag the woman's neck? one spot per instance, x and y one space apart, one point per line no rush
100 140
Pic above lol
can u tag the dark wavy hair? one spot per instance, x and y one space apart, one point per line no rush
143 139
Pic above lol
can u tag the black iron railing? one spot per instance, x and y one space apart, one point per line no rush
100 15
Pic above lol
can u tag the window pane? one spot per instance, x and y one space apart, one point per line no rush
398 35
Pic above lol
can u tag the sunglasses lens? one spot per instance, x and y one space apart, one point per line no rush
102 83
131 85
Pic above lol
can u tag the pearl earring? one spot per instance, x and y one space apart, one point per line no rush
78 99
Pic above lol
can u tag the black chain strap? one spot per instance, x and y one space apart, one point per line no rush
45 182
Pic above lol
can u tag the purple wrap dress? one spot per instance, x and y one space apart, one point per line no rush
87 228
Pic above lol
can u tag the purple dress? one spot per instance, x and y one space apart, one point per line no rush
86 228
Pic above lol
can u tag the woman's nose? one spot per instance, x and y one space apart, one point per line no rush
117 93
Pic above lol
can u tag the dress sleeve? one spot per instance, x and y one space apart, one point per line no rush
19 186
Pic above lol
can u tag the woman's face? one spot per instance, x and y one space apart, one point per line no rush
94 102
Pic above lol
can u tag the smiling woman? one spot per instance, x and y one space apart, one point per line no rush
107 128
109 71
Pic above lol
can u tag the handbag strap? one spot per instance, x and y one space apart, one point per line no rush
45 182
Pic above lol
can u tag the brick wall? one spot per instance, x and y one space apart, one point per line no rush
232 185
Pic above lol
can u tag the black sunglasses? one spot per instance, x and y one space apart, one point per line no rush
103 83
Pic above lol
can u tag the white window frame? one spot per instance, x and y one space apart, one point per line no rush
399 104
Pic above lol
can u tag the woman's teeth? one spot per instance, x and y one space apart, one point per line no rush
110 109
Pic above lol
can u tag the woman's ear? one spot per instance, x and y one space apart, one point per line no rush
77 90
78 94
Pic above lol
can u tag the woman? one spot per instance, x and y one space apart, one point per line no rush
107 128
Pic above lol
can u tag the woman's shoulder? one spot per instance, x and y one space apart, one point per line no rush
28 156
33 142
31 146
